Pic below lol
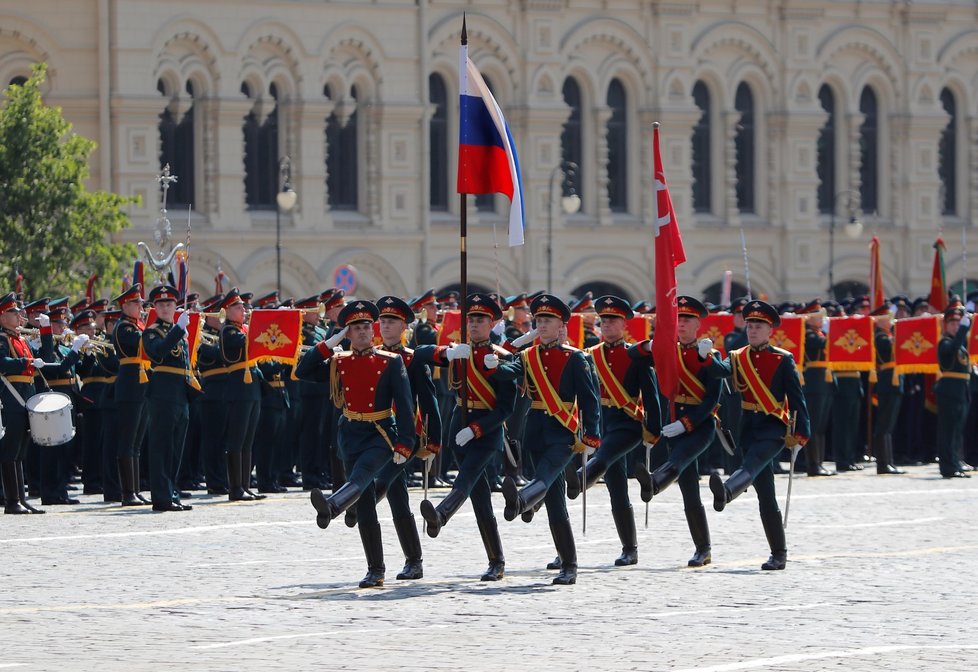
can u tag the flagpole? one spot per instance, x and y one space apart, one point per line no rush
463 262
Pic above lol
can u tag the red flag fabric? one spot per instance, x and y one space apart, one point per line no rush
451 327
790 336
852 343
90 288
915 342
669 253
876 293
274 335
638 328
714 327
938 285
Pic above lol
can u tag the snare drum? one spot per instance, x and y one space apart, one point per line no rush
49 414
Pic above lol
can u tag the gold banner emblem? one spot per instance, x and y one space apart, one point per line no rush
916 345
273 338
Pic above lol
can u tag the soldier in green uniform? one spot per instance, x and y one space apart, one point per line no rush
952 390
730 411
129 391
171 387
108 362
846 405
94 372
889 392
213 409
19 365
242 395
371 387
315 410
775 413
584 307
488 400
820 385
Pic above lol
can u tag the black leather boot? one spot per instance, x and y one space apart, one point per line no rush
724 493
22 490
328 508
373 548
126 479
663 477
518 501
699 530
625 524
564 541
774 531
554 564
573 480
236 491
246 475
494 549
644 478
407 534
884 456
350 517
437 517
595 470
11 491
134 465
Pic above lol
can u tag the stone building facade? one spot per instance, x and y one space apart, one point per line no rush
778 120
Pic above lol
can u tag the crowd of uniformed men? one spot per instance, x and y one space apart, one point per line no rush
514 410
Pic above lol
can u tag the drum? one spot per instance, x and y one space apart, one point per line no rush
49 414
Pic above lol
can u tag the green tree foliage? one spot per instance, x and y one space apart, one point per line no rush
53 230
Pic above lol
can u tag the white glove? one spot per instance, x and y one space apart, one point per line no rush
43 320
399 459
825 325
460 351
464 436
183 320
491 361
337 350
78 342
704 347
525 338
591 450
336 338
38 363
673 429
500 328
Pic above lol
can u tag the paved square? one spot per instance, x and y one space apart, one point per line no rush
881 576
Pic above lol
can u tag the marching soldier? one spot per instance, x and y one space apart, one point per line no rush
585 308
97 373
775 413
489 402
372 388
19 366
558 378
315 414
213 409
889 391
820 385
395 314
242 394
130 392
171 388
690 435
952 392
109 362
730 410
630 416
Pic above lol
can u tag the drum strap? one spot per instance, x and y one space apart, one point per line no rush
14 392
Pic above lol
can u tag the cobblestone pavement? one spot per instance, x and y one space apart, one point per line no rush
881 576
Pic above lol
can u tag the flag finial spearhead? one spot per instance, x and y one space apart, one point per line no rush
465 36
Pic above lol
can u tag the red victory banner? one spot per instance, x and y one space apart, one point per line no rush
274 335
915 342
973 344
714 327
852 343
451 327
790 336
575 331
639 328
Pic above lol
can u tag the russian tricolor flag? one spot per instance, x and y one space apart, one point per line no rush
487 160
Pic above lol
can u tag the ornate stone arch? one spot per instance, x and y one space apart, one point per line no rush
481 270
259 270
376 275
876 58
487 39
271 53
610 268
350 54
204 263
752 48
191 50
619 44
711 270
23 44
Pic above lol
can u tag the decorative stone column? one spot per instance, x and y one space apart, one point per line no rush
602 202
231 210
309 165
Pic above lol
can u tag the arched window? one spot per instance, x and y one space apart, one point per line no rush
948 155
438 142
617 148
869 152
342 161
826 153
702 176
714 292
261 155
177 150
571 137
602 288
487 202
19 80
744 148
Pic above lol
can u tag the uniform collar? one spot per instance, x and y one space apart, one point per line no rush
688 346
614 344
761 348
551 345
397 347
481 344
362 353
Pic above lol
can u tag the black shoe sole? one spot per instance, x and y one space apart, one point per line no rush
719 493
323 514
432 525
512 497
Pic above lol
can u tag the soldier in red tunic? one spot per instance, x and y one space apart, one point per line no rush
371 387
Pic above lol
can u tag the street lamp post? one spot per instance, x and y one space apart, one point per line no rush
284 202
570 204
853 229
